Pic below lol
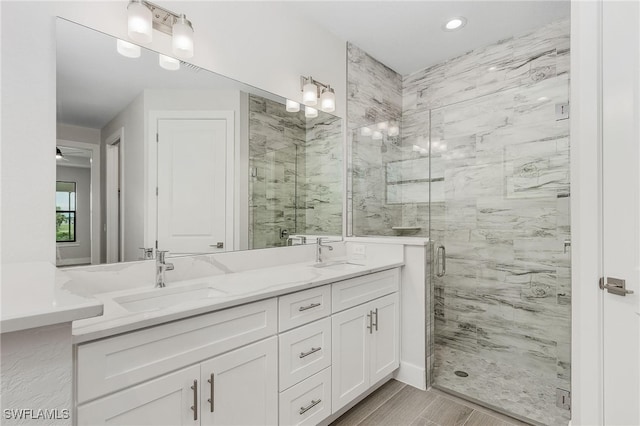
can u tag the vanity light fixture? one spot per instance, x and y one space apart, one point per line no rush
313 89
168 63
292 106
144 16
455 23
310 112
127 49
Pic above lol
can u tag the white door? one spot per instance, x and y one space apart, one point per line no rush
241 387
350 355
385 344
167 400
191 194
113 196
621 210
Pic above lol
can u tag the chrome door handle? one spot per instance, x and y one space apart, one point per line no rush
210 400
370 326
615 286
310 406
309 352
311 306
376 323
567 243
441 263
194 407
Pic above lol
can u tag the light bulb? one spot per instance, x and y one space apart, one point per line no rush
310 112
365 131
455 23
168 63
310 94
182 41
292 106
139 22
328 100
127 49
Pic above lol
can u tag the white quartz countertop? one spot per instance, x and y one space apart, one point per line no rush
225 291
31 296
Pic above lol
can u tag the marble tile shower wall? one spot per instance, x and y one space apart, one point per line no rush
479 131
296 174
276 140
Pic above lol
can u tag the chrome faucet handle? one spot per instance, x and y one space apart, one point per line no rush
320 241
147 253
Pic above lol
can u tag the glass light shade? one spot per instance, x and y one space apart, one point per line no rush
139 22
182 41
328 100
310 94
292 106
310 112
127 49
383 125
376 135
365 131
168 63
394 131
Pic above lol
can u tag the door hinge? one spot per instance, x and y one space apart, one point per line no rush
156 244
563 399
157 137
156 191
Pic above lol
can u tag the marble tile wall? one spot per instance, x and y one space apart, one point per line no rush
295 174
499 181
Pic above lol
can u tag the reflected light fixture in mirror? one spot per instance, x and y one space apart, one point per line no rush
139 22
292 106
127 49
310 112
168 63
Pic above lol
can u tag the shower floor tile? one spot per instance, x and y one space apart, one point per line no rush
524 393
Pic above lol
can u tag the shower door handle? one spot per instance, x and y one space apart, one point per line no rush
441 261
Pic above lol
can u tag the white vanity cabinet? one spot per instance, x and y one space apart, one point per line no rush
365 338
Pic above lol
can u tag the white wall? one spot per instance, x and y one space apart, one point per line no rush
78 134
79 251
259 43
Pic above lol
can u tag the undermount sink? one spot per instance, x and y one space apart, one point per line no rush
161 298
338 266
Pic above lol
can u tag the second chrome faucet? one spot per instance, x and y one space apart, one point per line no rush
161 267
320 246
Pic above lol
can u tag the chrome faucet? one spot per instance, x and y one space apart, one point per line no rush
319 247
161 267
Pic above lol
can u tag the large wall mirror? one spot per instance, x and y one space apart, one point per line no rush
182 159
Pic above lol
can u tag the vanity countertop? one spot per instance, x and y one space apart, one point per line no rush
225 291
32 297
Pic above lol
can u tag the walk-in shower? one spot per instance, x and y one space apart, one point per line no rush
481 167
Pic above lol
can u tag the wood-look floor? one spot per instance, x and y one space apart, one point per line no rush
396 404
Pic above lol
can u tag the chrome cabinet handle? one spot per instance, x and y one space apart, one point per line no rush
311 306
441 265
194 407
376 323
210 400
312 351
370 326
314 402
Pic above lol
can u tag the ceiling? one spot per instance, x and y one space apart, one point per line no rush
407 36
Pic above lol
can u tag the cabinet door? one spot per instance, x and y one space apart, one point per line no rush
241 387
167 400
350 355
384 342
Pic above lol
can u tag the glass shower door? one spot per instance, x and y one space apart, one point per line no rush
502 309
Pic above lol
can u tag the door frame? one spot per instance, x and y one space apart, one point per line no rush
116 137
151 167
94 195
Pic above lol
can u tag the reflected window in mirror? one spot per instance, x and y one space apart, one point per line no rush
65 212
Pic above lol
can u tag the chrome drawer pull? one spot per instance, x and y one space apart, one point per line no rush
370 326
312 351
311 306
314 402
376 323
194 407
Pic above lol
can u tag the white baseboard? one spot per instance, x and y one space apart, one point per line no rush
412 375
74 261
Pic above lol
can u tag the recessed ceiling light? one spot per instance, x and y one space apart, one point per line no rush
455 23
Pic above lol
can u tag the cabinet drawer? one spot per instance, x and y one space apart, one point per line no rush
121 361
349 293
303 307
304 351
308 402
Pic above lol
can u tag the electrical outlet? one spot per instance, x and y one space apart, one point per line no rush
359 249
